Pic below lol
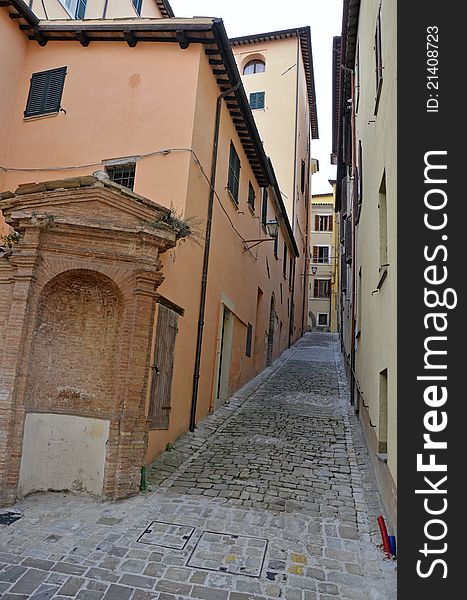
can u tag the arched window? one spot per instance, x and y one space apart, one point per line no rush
254 66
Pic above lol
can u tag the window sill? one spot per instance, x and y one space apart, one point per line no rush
43 116
383 273
378 96
232 197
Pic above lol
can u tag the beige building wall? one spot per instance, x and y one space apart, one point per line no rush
162 98
284 126
376 275
95 9
322 311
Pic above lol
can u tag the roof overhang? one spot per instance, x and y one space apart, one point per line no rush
207 31
165 8
304 35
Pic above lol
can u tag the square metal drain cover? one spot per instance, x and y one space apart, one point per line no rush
239 554
7 518
167 535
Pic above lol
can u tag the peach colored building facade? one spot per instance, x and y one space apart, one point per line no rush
283 100
156 115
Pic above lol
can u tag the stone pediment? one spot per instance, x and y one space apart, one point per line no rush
84 201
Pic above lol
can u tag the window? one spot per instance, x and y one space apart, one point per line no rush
249 336
302 177
254 66
360 173
251 196
323 222
137 4
276 244
257 100
383 412
45 92
234 173
322 319
378 60
123 174
284 265
357 79
321 288
321 254
383 224
76 8
264 207
290 272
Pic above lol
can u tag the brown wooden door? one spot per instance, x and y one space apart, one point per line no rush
162 368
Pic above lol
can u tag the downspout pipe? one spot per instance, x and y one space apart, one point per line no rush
307 241
207 246
354 246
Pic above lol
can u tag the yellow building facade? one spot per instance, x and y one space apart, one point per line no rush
277 74
323 287
365 85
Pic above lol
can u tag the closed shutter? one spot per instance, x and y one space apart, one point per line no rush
330 222
81 9
249 337
315 254
256 100
316 289
264 208
166 333
316 222
45 93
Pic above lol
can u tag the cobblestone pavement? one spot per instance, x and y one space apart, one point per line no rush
270 497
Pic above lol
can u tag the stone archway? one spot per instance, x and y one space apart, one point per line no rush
77 302
72 383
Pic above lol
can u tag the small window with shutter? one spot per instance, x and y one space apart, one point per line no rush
45 92
257 100
249 337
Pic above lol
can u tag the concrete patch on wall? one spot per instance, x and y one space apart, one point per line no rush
63 452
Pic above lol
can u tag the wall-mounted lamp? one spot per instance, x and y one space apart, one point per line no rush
314 268
272 227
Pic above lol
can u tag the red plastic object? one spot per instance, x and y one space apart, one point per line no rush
384 536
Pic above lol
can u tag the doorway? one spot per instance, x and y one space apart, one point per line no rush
223 377
272 322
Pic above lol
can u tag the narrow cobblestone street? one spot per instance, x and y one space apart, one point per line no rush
271 497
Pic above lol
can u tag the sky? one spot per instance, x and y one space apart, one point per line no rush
243 17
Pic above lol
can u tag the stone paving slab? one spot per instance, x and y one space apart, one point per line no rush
277 481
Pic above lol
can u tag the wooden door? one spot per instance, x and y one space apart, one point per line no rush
162 368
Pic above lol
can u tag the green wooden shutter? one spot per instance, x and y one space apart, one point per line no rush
257 100
45 92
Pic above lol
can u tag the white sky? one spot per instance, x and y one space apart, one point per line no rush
242 17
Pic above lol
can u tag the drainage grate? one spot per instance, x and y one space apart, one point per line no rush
166 535
9 517
239 554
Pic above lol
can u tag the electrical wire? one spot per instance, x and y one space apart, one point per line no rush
138 157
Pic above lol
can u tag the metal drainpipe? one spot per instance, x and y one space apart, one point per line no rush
207 245
306 265
352 343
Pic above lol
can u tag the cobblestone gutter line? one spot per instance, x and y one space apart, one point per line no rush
378 571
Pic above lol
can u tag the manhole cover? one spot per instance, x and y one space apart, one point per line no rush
7 518
239 554
167 535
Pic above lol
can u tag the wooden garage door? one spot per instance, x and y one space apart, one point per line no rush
162 368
